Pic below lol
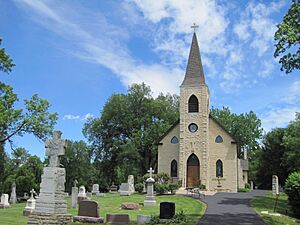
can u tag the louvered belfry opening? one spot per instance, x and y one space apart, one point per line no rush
193 104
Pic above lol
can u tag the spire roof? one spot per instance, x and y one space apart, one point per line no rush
194 75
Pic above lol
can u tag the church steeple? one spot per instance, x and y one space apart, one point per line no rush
194 75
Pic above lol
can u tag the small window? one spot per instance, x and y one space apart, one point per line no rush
174 140
219 139
193 104
174 168
219 168
193 127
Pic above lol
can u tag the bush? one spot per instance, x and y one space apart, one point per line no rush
247 186
139 187
172 188
202 187
161 188
292 189
243 190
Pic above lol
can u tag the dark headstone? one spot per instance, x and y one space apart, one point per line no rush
88 211
117 218
130 206
167 210
113 188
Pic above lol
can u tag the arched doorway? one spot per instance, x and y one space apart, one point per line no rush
193 171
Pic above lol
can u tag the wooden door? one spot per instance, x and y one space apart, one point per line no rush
193 171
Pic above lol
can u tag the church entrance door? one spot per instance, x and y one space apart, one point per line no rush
193 171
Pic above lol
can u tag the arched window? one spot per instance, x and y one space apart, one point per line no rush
219 168
174 168
193 104
174 140
219 139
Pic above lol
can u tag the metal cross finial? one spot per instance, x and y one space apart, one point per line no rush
194 27
150 171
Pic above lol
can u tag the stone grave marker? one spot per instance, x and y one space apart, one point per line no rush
130 206
150 201
25 196
13 195
166 210
74 197
4 201
89 195
130 181
30 205
251 185
124 189
51 205
100 194
143 219
275 186
95 189
88 212
117 218
82 194
113 188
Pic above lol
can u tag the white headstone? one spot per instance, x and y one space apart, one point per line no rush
131 184
275 186
124 189
251 185
150 201
30 205
4 201
74 197
13 195
95 189
82 192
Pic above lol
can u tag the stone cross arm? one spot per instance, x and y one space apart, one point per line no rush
150 171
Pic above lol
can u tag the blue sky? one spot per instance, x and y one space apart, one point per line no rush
76 54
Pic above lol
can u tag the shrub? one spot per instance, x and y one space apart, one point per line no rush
247 186
202 187
161 188
139 187
243 190
172 188
292 189
163 178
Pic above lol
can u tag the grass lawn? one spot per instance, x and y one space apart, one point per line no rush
266 203
111 203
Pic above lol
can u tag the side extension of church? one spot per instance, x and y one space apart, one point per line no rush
197 149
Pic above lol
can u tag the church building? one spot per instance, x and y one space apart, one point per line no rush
197 149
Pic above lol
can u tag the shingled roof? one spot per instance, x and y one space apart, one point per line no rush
194 75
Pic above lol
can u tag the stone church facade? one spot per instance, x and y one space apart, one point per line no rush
197 149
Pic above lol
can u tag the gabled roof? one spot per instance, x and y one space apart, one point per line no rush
166 133
194 75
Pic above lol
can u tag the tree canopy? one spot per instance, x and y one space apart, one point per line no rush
288 39
124 136
6 63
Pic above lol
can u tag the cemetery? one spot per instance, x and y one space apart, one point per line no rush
195 139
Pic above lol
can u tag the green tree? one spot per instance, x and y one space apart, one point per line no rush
124 136
288 39
78 164
246 128
6 63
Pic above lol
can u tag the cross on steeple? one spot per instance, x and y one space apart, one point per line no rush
150 171
194 26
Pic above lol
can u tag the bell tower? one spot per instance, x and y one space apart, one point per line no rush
194 119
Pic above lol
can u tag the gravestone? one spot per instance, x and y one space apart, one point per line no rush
88 195
275 186
124 189
4 201
143 219
100 194
251 185
13 195
166 210
30 205
150 201
88 212
25 196
81 194
117 218
74 197
130 181
95 189
113 188
130 206
51 206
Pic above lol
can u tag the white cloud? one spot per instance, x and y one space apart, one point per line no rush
267 68
78 117
278 117
293 94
